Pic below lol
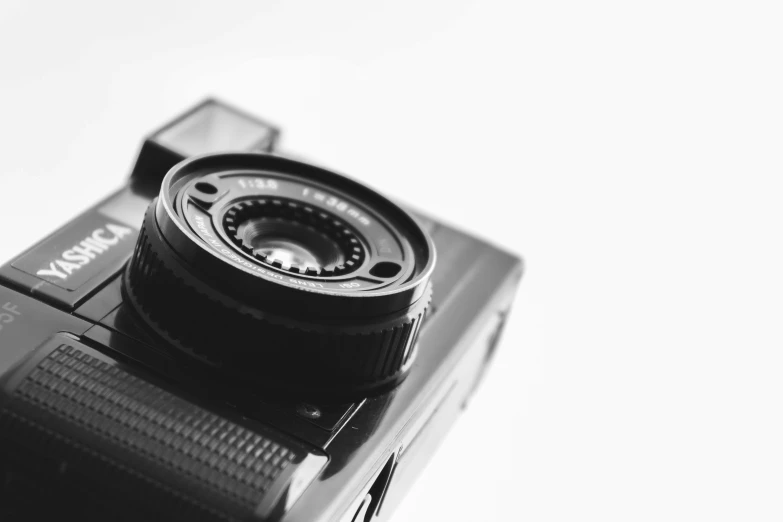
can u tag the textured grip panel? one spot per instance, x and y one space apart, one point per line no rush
285 355
77 421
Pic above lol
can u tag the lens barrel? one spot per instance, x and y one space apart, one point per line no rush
282 274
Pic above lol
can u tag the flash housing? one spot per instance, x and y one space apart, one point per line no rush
211 126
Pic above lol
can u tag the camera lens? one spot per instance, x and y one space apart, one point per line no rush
282 274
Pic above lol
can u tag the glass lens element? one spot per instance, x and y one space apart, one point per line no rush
290 243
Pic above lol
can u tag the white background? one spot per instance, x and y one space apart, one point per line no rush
631 151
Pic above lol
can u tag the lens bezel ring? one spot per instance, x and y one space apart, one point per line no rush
193 232
205 217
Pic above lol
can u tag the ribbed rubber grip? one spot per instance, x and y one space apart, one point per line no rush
78 430
273 352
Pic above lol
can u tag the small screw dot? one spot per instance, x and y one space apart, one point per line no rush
308 410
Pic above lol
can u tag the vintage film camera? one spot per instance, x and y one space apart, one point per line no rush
235 335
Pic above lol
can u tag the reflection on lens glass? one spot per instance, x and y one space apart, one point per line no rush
286 252
290 243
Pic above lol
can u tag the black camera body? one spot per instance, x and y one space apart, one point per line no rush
247 337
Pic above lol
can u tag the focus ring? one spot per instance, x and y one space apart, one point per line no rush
270 351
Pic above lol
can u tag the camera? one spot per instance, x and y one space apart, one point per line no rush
238 335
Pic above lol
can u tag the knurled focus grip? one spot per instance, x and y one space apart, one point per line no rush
80 433
189 313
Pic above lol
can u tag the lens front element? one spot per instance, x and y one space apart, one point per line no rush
294 236
291 245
